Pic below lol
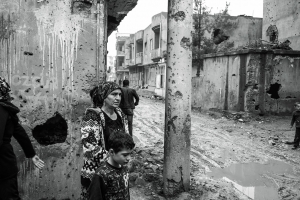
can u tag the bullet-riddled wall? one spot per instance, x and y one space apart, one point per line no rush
285 15
250 80
48 54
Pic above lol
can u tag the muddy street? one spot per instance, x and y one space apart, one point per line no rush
242 157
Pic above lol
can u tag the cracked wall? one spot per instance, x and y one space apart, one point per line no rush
286 16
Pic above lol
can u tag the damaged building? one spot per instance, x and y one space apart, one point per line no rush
52 53
282 21
144 53
261 77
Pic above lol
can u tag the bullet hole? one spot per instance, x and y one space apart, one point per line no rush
27 90
179 16
272 32
273 90
255 86
256 107
21 106
53 131
41 86
26 53
233 74
219 36
38 80
24 101
20 97
253 100
178 95
185 43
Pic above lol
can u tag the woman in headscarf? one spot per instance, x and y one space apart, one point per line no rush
10 127
98 122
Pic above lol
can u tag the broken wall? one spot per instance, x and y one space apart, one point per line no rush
255 81
47 54
241 29
285 16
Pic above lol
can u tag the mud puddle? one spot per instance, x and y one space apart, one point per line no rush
252 178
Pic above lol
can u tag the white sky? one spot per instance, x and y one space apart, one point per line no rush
140 17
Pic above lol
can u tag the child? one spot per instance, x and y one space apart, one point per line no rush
110 181
296 118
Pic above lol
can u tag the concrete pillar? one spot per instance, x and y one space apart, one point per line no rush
101 40
178 98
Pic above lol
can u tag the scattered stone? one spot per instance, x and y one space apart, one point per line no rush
140 181
271 142
133 177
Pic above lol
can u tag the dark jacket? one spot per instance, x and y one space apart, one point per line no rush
128 96
296 118
9 126
109 183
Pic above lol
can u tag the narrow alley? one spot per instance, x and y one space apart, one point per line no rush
228 149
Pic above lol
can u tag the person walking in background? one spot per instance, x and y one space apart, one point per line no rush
296 119
97 124
10 127
129 100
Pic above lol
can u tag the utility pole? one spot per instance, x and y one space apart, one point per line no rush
199 10
101 40
177 141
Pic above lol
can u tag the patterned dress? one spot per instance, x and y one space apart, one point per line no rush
93 130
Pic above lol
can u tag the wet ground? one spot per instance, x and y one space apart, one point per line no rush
242 157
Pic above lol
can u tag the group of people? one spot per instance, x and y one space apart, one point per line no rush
106 135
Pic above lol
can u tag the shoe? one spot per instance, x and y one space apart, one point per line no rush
289 143
295 147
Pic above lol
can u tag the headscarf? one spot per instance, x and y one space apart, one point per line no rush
4 90
100 92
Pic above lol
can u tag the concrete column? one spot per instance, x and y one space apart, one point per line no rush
178 98
101 39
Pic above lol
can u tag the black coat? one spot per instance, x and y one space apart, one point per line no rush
9 126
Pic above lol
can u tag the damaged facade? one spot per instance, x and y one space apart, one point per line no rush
282 20
258 81
145 51
52 53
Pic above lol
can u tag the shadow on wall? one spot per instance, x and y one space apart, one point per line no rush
54 130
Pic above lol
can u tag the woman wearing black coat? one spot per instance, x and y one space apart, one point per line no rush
10 127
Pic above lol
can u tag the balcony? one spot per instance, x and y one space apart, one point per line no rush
120 53
139 36
131 62
156 54
139 58
122 68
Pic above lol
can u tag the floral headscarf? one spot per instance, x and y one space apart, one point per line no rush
102 91
4 90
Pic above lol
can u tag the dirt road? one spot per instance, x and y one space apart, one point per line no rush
234 156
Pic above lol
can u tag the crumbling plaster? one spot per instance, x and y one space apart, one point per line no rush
251 80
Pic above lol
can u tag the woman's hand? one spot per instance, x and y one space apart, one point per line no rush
38 162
